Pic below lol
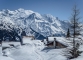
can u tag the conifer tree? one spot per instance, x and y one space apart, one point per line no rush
68 33
75 30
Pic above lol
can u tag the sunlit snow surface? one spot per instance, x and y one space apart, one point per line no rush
34 50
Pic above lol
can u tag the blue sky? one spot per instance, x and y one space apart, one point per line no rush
57 8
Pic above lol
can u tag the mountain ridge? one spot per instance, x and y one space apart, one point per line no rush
46 25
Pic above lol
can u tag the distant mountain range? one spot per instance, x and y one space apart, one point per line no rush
33 23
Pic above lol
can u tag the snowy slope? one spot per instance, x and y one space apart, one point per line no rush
34 50
25 52
45 25
5 58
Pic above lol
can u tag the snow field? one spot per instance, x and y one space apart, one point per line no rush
35 50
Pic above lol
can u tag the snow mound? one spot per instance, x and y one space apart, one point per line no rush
59 57
34 50
5 58
25 52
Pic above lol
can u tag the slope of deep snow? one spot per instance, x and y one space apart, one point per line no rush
34 50
46 25
5 58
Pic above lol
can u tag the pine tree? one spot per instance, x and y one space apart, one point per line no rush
68 33
75 29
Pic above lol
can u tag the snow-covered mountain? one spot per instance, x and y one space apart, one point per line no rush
33 22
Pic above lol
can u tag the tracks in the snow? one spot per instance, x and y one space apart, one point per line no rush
39 56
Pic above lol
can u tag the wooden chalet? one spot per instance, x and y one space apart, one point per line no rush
55 42
29 37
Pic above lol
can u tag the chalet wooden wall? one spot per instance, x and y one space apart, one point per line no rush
60 45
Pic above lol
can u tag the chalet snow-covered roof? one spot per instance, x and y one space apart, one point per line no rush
50 39
61 40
